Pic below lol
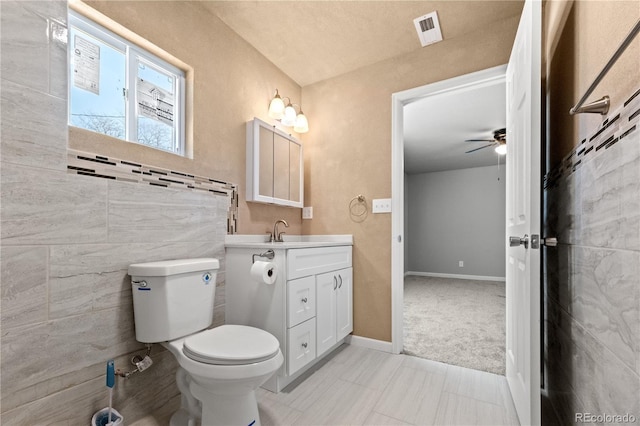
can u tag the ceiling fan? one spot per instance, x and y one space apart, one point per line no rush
499 141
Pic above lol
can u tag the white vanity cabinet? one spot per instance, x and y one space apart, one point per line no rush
309 308
274 166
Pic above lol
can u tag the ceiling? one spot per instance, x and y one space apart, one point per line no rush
436 128
312 41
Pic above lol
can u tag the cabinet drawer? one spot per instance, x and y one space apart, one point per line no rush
301 300
301 345
316 260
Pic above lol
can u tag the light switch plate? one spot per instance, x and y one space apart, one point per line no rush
382 205
307 212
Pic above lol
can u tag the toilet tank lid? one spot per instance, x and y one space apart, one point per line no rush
172 267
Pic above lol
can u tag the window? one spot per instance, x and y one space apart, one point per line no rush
118 89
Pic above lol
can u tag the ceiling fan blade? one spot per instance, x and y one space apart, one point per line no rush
479 140
477 149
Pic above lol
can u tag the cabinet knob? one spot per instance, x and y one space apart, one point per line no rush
340 285
304 345
304 300
335 282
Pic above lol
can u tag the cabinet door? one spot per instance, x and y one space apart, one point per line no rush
265 162
295 172
326 286
344 303
280 167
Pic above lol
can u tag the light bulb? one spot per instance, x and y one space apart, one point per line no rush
276 107
302 125
501 149
289 115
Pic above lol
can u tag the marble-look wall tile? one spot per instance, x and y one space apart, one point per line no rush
560 274
143 393
602 382
34 127
50 207
163 214
89 277
585 376
606 299
24 46
564 209
24 285
611 197
40 353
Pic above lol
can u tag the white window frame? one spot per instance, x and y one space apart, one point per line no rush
133 56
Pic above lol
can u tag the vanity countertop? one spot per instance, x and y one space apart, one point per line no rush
290 241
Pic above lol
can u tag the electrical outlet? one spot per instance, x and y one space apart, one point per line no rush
382 205
461 264
307 212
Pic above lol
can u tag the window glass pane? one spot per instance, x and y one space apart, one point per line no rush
97 82
156 103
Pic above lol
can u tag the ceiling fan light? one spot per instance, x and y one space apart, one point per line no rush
501 149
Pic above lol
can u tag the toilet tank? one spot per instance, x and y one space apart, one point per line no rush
172 298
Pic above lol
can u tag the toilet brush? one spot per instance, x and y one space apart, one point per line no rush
111 381
108 416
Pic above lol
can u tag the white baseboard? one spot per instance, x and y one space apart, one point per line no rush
458 276
366 342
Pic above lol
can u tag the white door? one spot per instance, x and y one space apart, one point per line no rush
523 216
326 286
344 303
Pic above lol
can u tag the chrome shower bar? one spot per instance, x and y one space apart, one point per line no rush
602 105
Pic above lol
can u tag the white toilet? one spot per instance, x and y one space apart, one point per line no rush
221 367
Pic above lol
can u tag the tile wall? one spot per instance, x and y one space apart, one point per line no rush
66 242
592 307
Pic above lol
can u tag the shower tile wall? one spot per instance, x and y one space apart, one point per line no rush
67 240
593 276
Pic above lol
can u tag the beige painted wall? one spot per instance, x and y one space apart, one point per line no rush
592 32
232 84
348 152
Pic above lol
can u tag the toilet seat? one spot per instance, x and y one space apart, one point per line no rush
231 345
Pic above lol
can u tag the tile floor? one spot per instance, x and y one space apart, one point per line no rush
359 386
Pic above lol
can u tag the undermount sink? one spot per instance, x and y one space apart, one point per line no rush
290 241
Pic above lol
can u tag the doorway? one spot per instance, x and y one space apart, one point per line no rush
402 104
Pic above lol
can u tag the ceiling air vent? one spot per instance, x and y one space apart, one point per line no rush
428 28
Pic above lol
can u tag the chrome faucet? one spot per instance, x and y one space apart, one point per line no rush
277 236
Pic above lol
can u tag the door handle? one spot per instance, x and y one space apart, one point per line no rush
335 282
517 241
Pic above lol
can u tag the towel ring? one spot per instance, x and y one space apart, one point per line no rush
358 206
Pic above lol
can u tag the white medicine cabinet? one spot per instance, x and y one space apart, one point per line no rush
274 166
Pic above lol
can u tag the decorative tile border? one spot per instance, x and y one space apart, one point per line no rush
87 164
616 128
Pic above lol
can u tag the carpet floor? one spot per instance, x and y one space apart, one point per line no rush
458 322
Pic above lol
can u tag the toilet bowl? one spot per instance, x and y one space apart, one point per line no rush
220 368
224 367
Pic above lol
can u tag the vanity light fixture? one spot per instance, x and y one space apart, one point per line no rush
287 114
